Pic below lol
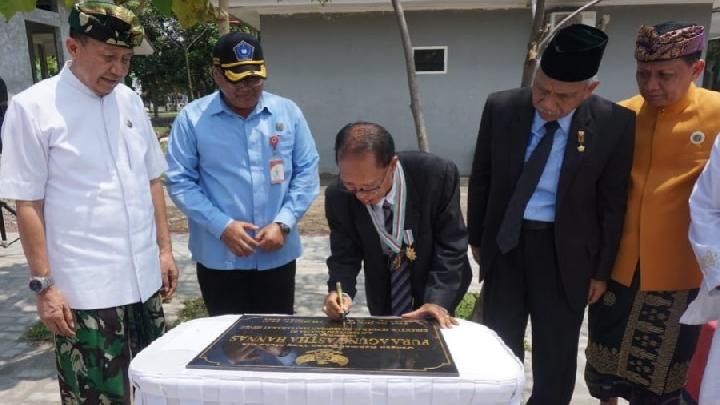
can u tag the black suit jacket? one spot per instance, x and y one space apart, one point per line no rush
592 189
440 274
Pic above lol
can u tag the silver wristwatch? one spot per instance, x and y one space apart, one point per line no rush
39 284
283 228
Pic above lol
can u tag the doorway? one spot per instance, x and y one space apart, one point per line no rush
46 60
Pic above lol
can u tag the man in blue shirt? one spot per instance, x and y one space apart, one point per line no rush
243 168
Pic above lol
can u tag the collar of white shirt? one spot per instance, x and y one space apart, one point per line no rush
67 76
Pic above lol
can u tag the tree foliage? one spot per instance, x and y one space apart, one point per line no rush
174 28
711 80
541 34
8 8
164 72
188 12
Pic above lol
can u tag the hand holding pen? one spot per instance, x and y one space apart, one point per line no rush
339 297
337 304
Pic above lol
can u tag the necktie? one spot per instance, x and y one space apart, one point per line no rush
400 291
511 225
387 216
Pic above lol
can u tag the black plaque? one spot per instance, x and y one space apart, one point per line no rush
307 344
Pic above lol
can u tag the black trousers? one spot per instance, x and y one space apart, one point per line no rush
526 281
248 291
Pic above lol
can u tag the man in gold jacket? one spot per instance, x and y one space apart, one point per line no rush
637 348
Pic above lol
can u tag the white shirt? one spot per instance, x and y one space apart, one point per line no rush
377 208
90 159
705 241
379 214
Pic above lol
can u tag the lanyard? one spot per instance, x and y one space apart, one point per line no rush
394 240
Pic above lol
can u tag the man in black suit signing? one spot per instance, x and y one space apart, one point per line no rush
398 215
546 205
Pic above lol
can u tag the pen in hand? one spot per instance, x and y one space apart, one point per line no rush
339 292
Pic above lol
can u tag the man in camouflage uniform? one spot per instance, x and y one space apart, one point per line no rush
84 165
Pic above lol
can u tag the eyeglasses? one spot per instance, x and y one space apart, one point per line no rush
370 190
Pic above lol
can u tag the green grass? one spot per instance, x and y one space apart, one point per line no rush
465 307
167 114
162 131
36 334
192 309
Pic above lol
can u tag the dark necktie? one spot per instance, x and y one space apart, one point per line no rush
400 291
511 225
387 216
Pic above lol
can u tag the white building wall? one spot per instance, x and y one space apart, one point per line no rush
347 67
15 66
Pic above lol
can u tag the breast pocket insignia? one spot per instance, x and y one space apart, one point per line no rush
697 137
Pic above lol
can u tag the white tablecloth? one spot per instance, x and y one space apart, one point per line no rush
489 374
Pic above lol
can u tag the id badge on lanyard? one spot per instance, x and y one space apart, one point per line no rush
277 165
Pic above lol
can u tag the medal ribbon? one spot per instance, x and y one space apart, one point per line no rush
394 241
409 240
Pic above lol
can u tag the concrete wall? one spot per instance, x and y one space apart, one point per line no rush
15 66
343 68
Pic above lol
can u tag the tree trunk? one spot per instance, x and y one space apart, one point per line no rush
156 111
224 17
536 33
540 36
546 39
420 130
189 75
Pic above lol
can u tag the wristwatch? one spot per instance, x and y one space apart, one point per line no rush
39 284
283 228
